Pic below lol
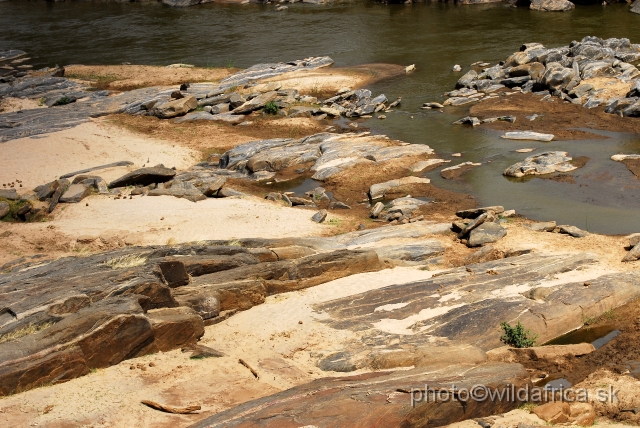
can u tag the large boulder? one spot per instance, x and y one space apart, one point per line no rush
175 108
174 327
557 76
256 103
552 5
542 163
144 177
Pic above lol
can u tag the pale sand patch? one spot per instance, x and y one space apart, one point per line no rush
269 337
126 77
157 220
42 159
331 80
9 105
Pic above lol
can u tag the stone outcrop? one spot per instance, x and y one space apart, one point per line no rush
98 310
578 73
71 103
408 324
382 398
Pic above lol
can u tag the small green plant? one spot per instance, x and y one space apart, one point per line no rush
271 108
63 101
518 336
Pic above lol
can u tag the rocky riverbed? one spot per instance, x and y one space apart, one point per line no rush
317 276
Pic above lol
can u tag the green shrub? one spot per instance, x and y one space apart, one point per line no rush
271 108
517 336
63 101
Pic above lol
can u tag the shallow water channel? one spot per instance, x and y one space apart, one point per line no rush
605 197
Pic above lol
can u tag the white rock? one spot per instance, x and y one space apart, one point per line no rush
528 135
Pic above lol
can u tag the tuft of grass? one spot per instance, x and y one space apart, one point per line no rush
24 331
334 222
528 406
518 336
609 315
234 243
172 241
127 261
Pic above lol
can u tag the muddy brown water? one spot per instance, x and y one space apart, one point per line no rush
605 197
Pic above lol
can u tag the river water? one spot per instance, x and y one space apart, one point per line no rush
605 197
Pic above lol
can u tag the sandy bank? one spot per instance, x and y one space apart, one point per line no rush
43 158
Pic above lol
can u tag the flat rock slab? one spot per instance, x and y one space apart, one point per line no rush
540 164
75 193
573 231
456 171
475 212
419 253
411 230
144 177
378 191
264 71
528 135
429 163
377 399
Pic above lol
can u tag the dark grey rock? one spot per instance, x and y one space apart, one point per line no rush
486 233
320 216
144 177
75 193
4 208
9 194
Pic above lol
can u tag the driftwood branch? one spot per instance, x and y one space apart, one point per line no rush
170 409
244 363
